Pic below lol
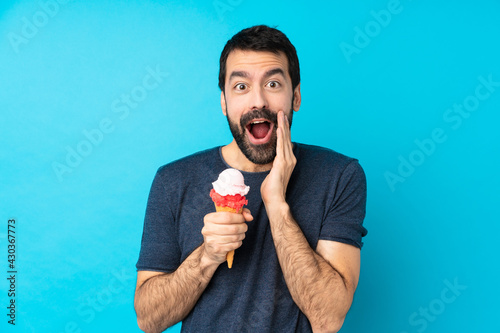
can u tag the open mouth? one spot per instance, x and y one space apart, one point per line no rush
259 131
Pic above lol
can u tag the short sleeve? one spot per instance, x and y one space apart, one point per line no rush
344 219
159 246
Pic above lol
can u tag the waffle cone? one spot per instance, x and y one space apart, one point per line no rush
228 209
230 254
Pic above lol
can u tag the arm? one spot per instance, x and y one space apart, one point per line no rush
163 299
321 282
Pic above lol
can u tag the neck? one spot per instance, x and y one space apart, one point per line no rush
236 159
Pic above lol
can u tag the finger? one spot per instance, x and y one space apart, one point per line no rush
230 239
247 215
225 218
224 229
224 248
287 129
231 246
279 134
286 137
287 143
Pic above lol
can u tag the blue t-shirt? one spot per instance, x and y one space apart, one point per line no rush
327 197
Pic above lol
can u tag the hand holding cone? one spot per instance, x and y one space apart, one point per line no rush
230 254
228 195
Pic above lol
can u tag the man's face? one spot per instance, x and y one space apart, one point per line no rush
258 85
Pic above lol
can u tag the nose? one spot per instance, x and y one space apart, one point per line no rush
259 99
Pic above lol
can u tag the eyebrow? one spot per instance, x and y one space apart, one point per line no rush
238 74
269 73
274 71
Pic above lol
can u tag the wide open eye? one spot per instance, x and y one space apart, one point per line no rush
240 86
273 84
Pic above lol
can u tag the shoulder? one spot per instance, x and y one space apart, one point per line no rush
189 165
328 166
320 157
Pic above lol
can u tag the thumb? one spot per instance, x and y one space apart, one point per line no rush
247 215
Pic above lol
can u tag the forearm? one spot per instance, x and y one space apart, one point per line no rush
317 288
166 299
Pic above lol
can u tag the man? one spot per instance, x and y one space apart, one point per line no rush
297 258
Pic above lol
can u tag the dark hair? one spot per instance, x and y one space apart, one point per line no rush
261 38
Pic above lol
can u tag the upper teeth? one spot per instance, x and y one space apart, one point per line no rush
258 122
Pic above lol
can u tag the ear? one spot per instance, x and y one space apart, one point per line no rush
223 103
296 98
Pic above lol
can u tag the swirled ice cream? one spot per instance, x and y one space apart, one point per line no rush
231 182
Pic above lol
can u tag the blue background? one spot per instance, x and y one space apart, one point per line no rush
78 233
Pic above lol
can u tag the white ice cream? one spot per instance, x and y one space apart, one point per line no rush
230 182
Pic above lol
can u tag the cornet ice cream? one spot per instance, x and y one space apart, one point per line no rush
228 195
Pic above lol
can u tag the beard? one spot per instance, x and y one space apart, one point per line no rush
257 154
